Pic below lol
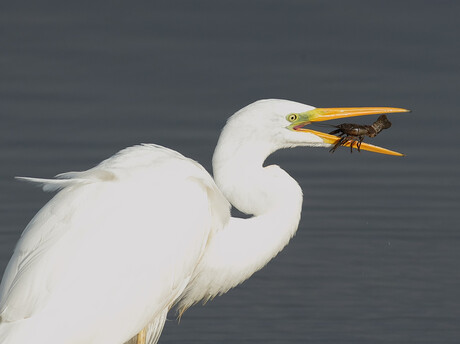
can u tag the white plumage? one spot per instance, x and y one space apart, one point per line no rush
83 267
147 229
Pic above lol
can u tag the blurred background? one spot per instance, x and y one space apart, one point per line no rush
376 256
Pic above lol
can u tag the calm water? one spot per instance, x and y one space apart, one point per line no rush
377 253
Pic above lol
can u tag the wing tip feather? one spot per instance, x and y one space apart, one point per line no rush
47 185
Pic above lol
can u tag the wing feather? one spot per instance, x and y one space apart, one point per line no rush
122 237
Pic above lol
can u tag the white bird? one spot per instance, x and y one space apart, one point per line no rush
149 229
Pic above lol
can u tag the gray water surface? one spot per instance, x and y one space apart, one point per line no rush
376 256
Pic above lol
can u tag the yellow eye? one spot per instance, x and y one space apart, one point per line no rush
292 117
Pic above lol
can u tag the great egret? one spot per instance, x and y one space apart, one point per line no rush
148 229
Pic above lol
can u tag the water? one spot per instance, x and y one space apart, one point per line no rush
376 256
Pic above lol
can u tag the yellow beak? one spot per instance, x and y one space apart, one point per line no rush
326 114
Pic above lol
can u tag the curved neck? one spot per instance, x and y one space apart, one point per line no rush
250 187
269 193
244 246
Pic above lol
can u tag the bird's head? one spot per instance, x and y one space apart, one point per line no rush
261 128
273 124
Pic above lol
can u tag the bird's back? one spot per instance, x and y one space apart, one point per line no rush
112 250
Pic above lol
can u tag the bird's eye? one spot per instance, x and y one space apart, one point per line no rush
292 117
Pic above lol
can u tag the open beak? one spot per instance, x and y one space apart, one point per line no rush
326 114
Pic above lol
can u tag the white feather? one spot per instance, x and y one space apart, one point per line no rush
86 259
123 242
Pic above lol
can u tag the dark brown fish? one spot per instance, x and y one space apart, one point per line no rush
349 132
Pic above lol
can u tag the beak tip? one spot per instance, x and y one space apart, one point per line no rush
398 110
